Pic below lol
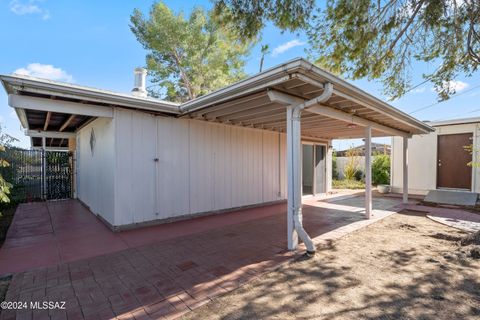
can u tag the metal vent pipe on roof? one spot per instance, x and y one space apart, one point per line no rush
139 88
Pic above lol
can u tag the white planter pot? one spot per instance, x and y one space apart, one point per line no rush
383 188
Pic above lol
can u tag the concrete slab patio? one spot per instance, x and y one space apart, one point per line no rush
67 254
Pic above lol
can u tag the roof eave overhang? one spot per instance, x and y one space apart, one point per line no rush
257 83
343 88
287 71
14 84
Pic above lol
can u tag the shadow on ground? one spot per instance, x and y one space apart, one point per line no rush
386 271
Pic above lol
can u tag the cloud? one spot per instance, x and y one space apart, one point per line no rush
29 7
457 85
286 46
454 85
46 71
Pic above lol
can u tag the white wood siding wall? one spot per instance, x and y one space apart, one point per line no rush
201 167
135 167
95 170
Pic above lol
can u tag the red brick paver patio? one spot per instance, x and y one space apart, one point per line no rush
155 272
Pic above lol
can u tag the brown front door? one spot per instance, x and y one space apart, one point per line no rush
452 169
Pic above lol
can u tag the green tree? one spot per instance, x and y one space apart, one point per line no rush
378 39
188 56
250 16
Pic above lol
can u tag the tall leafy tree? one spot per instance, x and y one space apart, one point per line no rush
188 56
381 39
377 39
250 16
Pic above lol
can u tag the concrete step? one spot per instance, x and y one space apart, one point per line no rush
453 197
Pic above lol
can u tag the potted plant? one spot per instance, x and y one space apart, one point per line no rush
383 188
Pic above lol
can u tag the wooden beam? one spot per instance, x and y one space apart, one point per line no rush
330 112
211 111
47 120
350 118
231 114
65 125
43 104
49 134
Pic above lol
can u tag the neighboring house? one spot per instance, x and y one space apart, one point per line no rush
438 160
376 148
141 160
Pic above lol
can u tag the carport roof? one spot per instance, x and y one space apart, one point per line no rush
245 103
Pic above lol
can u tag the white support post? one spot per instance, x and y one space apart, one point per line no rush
405 169
368 172
292 236
294 159
295 106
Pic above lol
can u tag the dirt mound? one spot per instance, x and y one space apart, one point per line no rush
406 226
473 238
470 245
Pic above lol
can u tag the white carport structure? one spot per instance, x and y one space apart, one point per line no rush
295 98
307 103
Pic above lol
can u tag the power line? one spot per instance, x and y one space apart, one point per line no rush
416 86
439 102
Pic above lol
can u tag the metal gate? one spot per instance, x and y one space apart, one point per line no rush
38 174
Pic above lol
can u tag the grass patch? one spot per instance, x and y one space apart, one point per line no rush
348 184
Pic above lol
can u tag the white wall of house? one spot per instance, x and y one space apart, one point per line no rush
95 169
422 159
201 167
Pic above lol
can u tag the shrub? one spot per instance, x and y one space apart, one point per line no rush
334 166
381 169
351 167
359 175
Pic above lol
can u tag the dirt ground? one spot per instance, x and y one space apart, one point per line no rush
403 267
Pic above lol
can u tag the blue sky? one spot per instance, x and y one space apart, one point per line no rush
89 43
